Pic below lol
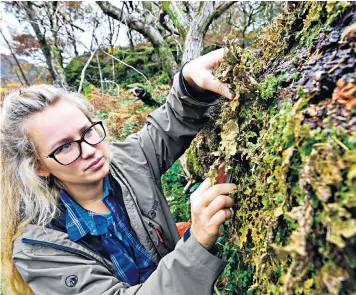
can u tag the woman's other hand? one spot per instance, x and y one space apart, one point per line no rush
210 207
198 73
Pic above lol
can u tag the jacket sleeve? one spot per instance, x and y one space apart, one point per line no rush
171 128
189 269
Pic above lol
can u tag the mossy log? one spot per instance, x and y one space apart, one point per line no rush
289 138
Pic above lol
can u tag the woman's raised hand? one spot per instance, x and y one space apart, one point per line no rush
198 73
210 207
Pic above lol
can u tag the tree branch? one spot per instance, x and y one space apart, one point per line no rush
100 74
144 24
177 16
218 11
120 61
27 6
82 75
165 25
187 10
16 60
115 12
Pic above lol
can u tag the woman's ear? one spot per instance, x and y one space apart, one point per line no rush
42 170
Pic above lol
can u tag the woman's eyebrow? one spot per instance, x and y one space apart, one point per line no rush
69 138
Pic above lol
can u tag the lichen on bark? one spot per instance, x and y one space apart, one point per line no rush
290 138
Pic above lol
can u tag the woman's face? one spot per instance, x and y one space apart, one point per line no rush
61 123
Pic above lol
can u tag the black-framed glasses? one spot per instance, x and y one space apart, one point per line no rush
69 152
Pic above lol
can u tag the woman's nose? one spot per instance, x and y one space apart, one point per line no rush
87 150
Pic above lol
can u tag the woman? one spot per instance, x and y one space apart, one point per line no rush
80 217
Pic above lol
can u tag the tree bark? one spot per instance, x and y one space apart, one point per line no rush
193 44
144 24
56 72
56 51
177 16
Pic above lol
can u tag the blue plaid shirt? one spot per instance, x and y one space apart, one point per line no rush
132 262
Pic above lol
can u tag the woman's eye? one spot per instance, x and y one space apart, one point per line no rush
64 147
88 132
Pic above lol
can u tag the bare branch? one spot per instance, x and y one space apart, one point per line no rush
120 61
165 24
113 82
16 60
218 11
187 9
82 75
144 24
100 73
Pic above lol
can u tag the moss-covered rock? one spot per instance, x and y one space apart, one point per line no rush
290 139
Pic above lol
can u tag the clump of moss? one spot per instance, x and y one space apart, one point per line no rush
270 86
291 145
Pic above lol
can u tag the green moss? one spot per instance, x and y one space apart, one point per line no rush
174 18
87 90
141 59
270 86
321 15
55 51
293 153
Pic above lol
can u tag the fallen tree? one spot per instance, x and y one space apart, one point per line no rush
289 138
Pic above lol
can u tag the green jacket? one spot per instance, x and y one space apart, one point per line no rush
53 264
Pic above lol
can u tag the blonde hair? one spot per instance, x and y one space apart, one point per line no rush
25 196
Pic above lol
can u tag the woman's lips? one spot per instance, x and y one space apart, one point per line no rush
97 164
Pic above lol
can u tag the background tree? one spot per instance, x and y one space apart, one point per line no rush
141 19
53 25
16 60
193 23
188 22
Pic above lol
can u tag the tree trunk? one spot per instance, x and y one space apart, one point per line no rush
55 71
288 140
56 51
205 15
144 24
193 44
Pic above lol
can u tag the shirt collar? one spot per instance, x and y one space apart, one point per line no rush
107 187
77 219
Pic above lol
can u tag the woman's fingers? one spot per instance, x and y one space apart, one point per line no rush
208 81
198 73
214 58
216 190
220 217
208 207
220 202
209 61
215 85
205 185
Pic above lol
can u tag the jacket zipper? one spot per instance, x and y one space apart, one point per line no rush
157 231
69 250
143 223
140 215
